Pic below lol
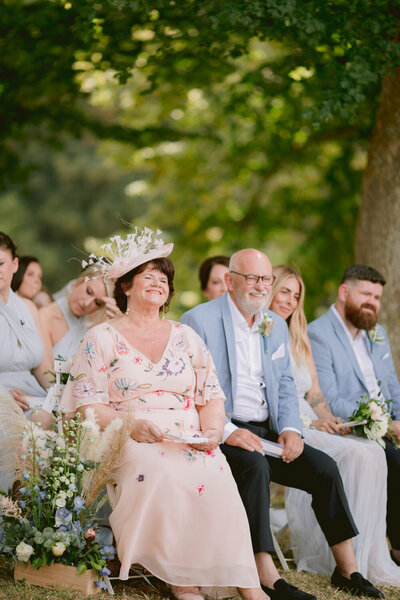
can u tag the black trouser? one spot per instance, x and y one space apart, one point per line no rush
393 494
313 471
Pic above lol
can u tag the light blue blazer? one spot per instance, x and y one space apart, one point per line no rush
339 374
213 322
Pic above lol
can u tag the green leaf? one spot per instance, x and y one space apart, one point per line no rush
81 568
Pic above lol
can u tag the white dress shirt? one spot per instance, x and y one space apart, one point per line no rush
250 403
360 345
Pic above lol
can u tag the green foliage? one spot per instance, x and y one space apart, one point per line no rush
224 123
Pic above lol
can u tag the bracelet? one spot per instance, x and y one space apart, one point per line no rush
218 431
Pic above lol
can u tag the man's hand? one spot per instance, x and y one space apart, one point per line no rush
20 399
394 429
243 438
146 431
293 445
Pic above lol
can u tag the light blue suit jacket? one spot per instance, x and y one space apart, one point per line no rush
339 374
213 322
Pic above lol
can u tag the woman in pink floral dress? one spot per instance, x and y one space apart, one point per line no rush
176 508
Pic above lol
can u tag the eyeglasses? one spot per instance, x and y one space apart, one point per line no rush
254 279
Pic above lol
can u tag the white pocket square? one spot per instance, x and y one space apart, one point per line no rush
385 356
279 353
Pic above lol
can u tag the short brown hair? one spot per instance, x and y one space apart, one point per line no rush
123 283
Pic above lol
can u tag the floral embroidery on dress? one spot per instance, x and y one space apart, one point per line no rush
84 388
140 477
179 343
137 360
200 489
174 367
189 456
210 453
123 386
102 369
89 350
121 348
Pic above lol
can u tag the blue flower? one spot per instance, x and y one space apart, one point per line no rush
36 488
76 527
22 504
63 516
22 491
23 457
108 552
79 504
42 495
72 487
62 528
25 475
105 571
101 585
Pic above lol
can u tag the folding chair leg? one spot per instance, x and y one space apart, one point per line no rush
279 553
108 585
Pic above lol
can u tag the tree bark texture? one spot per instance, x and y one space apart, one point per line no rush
378 230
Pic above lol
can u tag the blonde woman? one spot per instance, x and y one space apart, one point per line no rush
66 320
360 461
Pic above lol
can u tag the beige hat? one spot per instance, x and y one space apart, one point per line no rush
123 255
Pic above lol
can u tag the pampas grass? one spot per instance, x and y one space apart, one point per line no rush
106 450
13 423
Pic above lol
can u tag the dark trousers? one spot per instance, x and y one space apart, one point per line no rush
393 494
313 471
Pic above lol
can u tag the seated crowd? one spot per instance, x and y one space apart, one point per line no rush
238 369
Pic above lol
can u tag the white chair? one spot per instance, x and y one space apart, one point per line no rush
279 526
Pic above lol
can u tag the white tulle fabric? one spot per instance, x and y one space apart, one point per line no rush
362 465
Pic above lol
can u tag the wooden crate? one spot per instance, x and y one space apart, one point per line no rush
58 575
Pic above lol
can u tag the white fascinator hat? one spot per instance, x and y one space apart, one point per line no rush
123 255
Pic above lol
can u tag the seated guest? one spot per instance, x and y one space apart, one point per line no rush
27 280
23 364
360 461
249 348
352 356
66 320
212 276
176 509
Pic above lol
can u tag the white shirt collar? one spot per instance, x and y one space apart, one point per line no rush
239 320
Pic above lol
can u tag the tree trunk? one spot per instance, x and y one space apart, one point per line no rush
378 230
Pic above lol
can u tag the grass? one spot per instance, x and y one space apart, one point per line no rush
139 590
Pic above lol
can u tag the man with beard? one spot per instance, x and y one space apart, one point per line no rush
249 348
353 358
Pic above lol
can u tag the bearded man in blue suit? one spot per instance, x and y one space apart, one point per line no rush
353 358
249 348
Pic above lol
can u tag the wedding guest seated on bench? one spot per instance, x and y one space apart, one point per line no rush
360 461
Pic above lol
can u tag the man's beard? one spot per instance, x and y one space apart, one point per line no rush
359 318
251 305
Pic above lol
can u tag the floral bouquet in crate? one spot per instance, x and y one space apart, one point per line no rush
374 417
61 473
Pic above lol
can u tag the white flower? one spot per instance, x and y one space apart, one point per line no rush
58 549
23 552
60 502
376 411
378 429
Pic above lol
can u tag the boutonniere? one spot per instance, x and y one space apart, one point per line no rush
265 329
375 337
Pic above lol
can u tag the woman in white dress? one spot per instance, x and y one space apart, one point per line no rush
361 462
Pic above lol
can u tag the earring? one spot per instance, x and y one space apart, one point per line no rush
127 311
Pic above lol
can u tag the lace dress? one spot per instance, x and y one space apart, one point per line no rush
176 510
362 465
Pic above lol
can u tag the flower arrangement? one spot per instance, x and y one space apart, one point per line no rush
61 472
265 329
375 337
375 415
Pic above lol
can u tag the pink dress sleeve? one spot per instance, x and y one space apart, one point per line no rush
207 384
88 381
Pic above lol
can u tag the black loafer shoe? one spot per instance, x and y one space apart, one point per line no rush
356 585
285 591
